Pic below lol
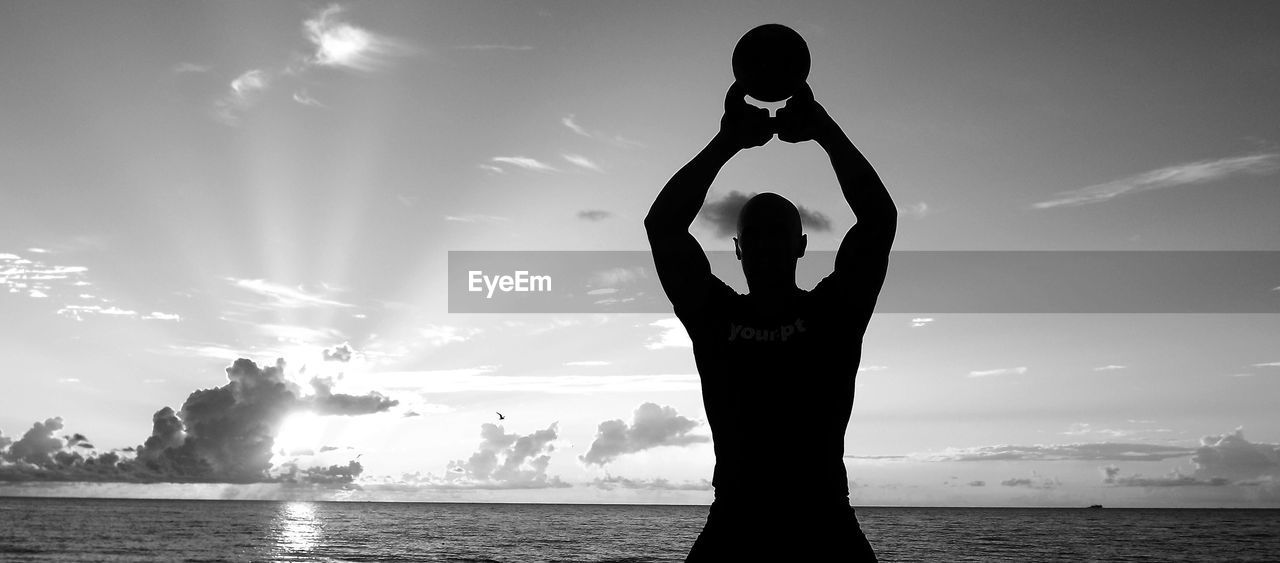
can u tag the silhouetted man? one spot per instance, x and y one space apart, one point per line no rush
777 364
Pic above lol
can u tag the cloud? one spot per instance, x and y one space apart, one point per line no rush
301 96
38 445
919 210
1221 460
79 312
223 434
610 483
244 93
342 475
187 68
526 163
285 296
573 126
1020 370
491 168
1033 482
1083 428
249 83
616 140
673 335
326 402
439 335
921 321
339 354
62 284
1190 173
40 280
339 44
582 162
335 44
594 214
1268 364
588 363
507 461
1098 451
1112 476
652 426
1109 367
229 430
297 334
614 277
722 214
1233 457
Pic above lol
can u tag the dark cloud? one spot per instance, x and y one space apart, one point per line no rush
167 431
722 214
1109 473
506 461
1033 482
977 483
1231 456
38 445
594 214
1226 459
332 475
1173 479
326 402
652 426
609 483
411 414
224 434
1105 451
339 354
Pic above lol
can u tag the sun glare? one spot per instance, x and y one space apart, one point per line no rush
300 432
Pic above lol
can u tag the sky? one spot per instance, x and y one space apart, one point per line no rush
224 232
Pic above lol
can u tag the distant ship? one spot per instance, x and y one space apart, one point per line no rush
1094 506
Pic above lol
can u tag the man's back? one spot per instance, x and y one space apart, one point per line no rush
778 370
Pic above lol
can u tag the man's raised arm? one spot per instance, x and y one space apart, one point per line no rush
682 265
865 248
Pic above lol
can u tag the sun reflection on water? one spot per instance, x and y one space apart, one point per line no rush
297 528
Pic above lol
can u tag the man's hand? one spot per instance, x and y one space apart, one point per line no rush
803 119
744 126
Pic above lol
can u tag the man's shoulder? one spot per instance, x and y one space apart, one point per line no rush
717 301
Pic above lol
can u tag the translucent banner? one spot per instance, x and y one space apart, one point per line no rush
918 282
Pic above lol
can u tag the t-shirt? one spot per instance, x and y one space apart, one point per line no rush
778 382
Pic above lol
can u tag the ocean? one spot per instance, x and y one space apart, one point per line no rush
47 529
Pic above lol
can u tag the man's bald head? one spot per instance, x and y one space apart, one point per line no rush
769 215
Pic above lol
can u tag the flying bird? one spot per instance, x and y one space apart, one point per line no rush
500 417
